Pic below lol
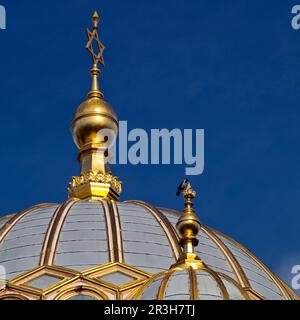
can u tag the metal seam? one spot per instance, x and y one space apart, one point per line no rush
165 224
193 285
119 231
54 232
114 230
223 289
110 242
163 286
9 225
244 282
278 284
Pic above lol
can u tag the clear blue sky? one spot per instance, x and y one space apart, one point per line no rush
230 67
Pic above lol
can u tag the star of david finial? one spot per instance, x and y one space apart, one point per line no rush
94 45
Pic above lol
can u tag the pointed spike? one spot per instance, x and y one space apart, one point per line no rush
95 19
96 15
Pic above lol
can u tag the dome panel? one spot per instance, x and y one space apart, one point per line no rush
20 249
152 290
208 288
83 239
178 286
233 290
145 244
43 281
117 278
258 278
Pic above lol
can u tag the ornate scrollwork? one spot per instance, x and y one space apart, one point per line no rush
87 177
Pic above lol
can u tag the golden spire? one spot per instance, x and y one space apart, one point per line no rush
94 41
188 227
94 122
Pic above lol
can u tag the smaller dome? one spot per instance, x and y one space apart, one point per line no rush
92 116
188 283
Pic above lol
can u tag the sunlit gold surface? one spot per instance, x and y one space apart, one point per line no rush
94 123
95 186
188 227
92 116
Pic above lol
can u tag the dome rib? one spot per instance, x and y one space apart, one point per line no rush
273 277
111 231
235 283
53 232
194 285
241 276
164 223
291 292
219 282
119 239
163 286
18 217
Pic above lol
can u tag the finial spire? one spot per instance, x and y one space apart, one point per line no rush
93 122
188 226
96 19
96 49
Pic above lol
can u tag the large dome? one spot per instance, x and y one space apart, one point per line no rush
110 250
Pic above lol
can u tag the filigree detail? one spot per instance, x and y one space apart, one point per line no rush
87 177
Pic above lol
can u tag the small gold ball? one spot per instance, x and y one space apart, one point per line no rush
188 221
91 118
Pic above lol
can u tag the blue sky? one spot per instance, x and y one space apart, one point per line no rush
229 67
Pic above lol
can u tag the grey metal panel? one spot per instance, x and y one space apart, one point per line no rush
20 252
150 263
148 248
206 297
117 278
144 237
172 217
83 240
178 297
178 285
207 250
208 288
258 278
81 260
17 267
21 248
43 282
87 234
23 241
150 293
140 227
144 241
233 291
